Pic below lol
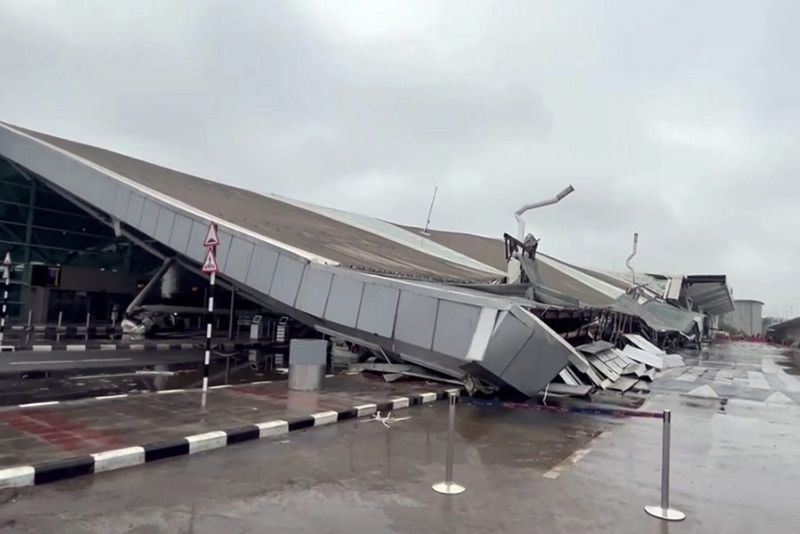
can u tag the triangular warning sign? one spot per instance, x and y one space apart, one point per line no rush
210 265
212 237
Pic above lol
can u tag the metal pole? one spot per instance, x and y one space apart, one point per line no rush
664 511
448 487
230 315
58 326
88 322
6 282
207 360
30 318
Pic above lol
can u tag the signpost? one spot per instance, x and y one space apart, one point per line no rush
6 282
211 268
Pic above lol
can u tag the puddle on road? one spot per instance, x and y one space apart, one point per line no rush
65 385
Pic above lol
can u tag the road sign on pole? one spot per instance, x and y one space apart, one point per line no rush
212 236
211 268
210 265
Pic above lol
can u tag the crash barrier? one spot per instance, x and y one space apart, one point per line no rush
662 511
448 487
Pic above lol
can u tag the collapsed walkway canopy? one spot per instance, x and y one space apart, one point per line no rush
361 278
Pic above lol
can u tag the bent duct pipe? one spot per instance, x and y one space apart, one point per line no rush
527 207
628 261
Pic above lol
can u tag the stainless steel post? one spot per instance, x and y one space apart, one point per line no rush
30 318
448 487
58 326
664 511
88 322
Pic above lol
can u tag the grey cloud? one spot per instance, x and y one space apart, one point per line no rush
677 120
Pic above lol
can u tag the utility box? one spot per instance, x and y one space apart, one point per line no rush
256 328
307 361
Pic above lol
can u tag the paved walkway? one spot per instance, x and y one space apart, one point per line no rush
45 432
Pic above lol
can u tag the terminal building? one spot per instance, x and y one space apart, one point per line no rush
94 233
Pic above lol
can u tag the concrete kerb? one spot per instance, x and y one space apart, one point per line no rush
42 473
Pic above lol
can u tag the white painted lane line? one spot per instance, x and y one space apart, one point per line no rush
688 376
166 391
103 397
35 404
757 380
724 376
790 383
55 362
565 464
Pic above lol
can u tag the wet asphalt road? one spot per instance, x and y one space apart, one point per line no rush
735 470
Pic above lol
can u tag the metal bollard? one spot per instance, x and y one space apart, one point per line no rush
30 317
58 326
664 511
88 322
448 487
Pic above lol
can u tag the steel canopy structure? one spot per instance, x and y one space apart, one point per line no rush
383 288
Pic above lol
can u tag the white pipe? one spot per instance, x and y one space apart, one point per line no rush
527 207
628 261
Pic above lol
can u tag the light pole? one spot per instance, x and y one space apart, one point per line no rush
527 207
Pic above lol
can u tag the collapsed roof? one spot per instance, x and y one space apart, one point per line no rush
384 286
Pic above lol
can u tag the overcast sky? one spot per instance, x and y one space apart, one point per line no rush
679 120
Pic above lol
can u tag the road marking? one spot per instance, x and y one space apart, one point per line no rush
568 462
74 348
757 380
688 376
35 404
55 362
103 397
724 376
165 391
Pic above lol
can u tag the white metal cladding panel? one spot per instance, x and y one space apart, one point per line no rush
378 307
455 326
344 300
508 339
149 217
262 268
121 201
287 279
224 247
239 259
195 249
416 317
166 218
314 290
134 214
180 233
62 170
539 361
